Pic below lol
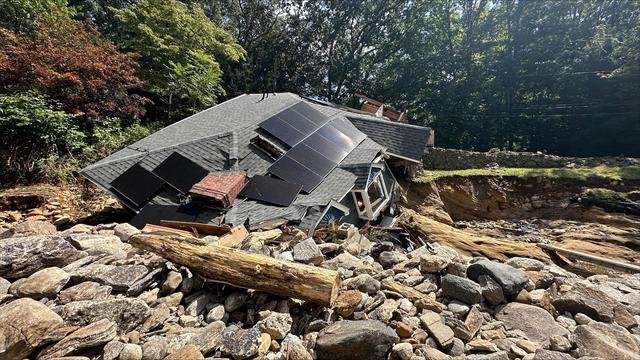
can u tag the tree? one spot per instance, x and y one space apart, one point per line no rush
33 127
74 66
180 49
20 15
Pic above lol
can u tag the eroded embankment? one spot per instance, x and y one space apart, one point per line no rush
504 216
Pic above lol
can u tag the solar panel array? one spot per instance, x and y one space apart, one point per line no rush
295 123
271 190
180 172
137 184
313 158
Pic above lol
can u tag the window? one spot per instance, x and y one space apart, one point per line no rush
370 203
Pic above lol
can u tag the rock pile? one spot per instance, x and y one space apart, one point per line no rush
85 293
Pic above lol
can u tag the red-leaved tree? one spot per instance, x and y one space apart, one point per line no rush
72 64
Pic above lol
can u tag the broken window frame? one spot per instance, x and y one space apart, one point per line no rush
368 212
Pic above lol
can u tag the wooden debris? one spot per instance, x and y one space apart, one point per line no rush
420 300
202 229
234 237
573 254
151 228
244 269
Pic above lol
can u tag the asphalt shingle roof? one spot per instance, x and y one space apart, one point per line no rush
219 139
405 140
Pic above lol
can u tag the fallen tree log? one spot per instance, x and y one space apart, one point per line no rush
244 269
420 300
578 255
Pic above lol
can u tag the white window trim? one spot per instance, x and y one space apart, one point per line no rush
369 213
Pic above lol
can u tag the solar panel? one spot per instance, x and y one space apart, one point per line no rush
137 184
271 190
292 171
310 113
332 134
325 147
152 214
180 172
283 131
311 159
346 127
297 121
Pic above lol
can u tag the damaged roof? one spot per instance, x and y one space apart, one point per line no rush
219 139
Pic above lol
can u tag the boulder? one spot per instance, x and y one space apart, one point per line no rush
44 283
542 354
120 278
535 322
277 325
34 227
442 334
343 261
364 283
87 290
24 325
155 348
130 352
4 286
491 290
352 340
240 343
607 341
126 312
526 264
190 352
172 282
23 256
308 252
96 334
462 289
347 302
124 231
107 244
433 263
235 301
390 258
588 300
511 280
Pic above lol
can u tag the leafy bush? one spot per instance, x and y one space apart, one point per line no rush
34 128
112 136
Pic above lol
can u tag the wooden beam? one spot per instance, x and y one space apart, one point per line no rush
203 229
244 269
573 254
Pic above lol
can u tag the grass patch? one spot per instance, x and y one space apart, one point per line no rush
608 195
580 173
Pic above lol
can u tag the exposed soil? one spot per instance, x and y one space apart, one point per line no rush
499 217
64 205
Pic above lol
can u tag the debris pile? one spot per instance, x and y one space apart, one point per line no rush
92 292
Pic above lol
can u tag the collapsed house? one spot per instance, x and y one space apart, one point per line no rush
258 158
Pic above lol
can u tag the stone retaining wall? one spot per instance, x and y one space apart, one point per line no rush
452 159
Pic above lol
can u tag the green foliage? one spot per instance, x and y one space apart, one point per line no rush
581 173
112 136
20 15
32 128
180 49
607 195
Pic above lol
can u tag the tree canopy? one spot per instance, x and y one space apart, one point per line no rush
556 76
180 52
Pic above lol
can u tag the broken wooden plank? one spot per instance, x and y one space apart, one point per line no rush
152 228
420 300
234 237
244 269
573 254
203 229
